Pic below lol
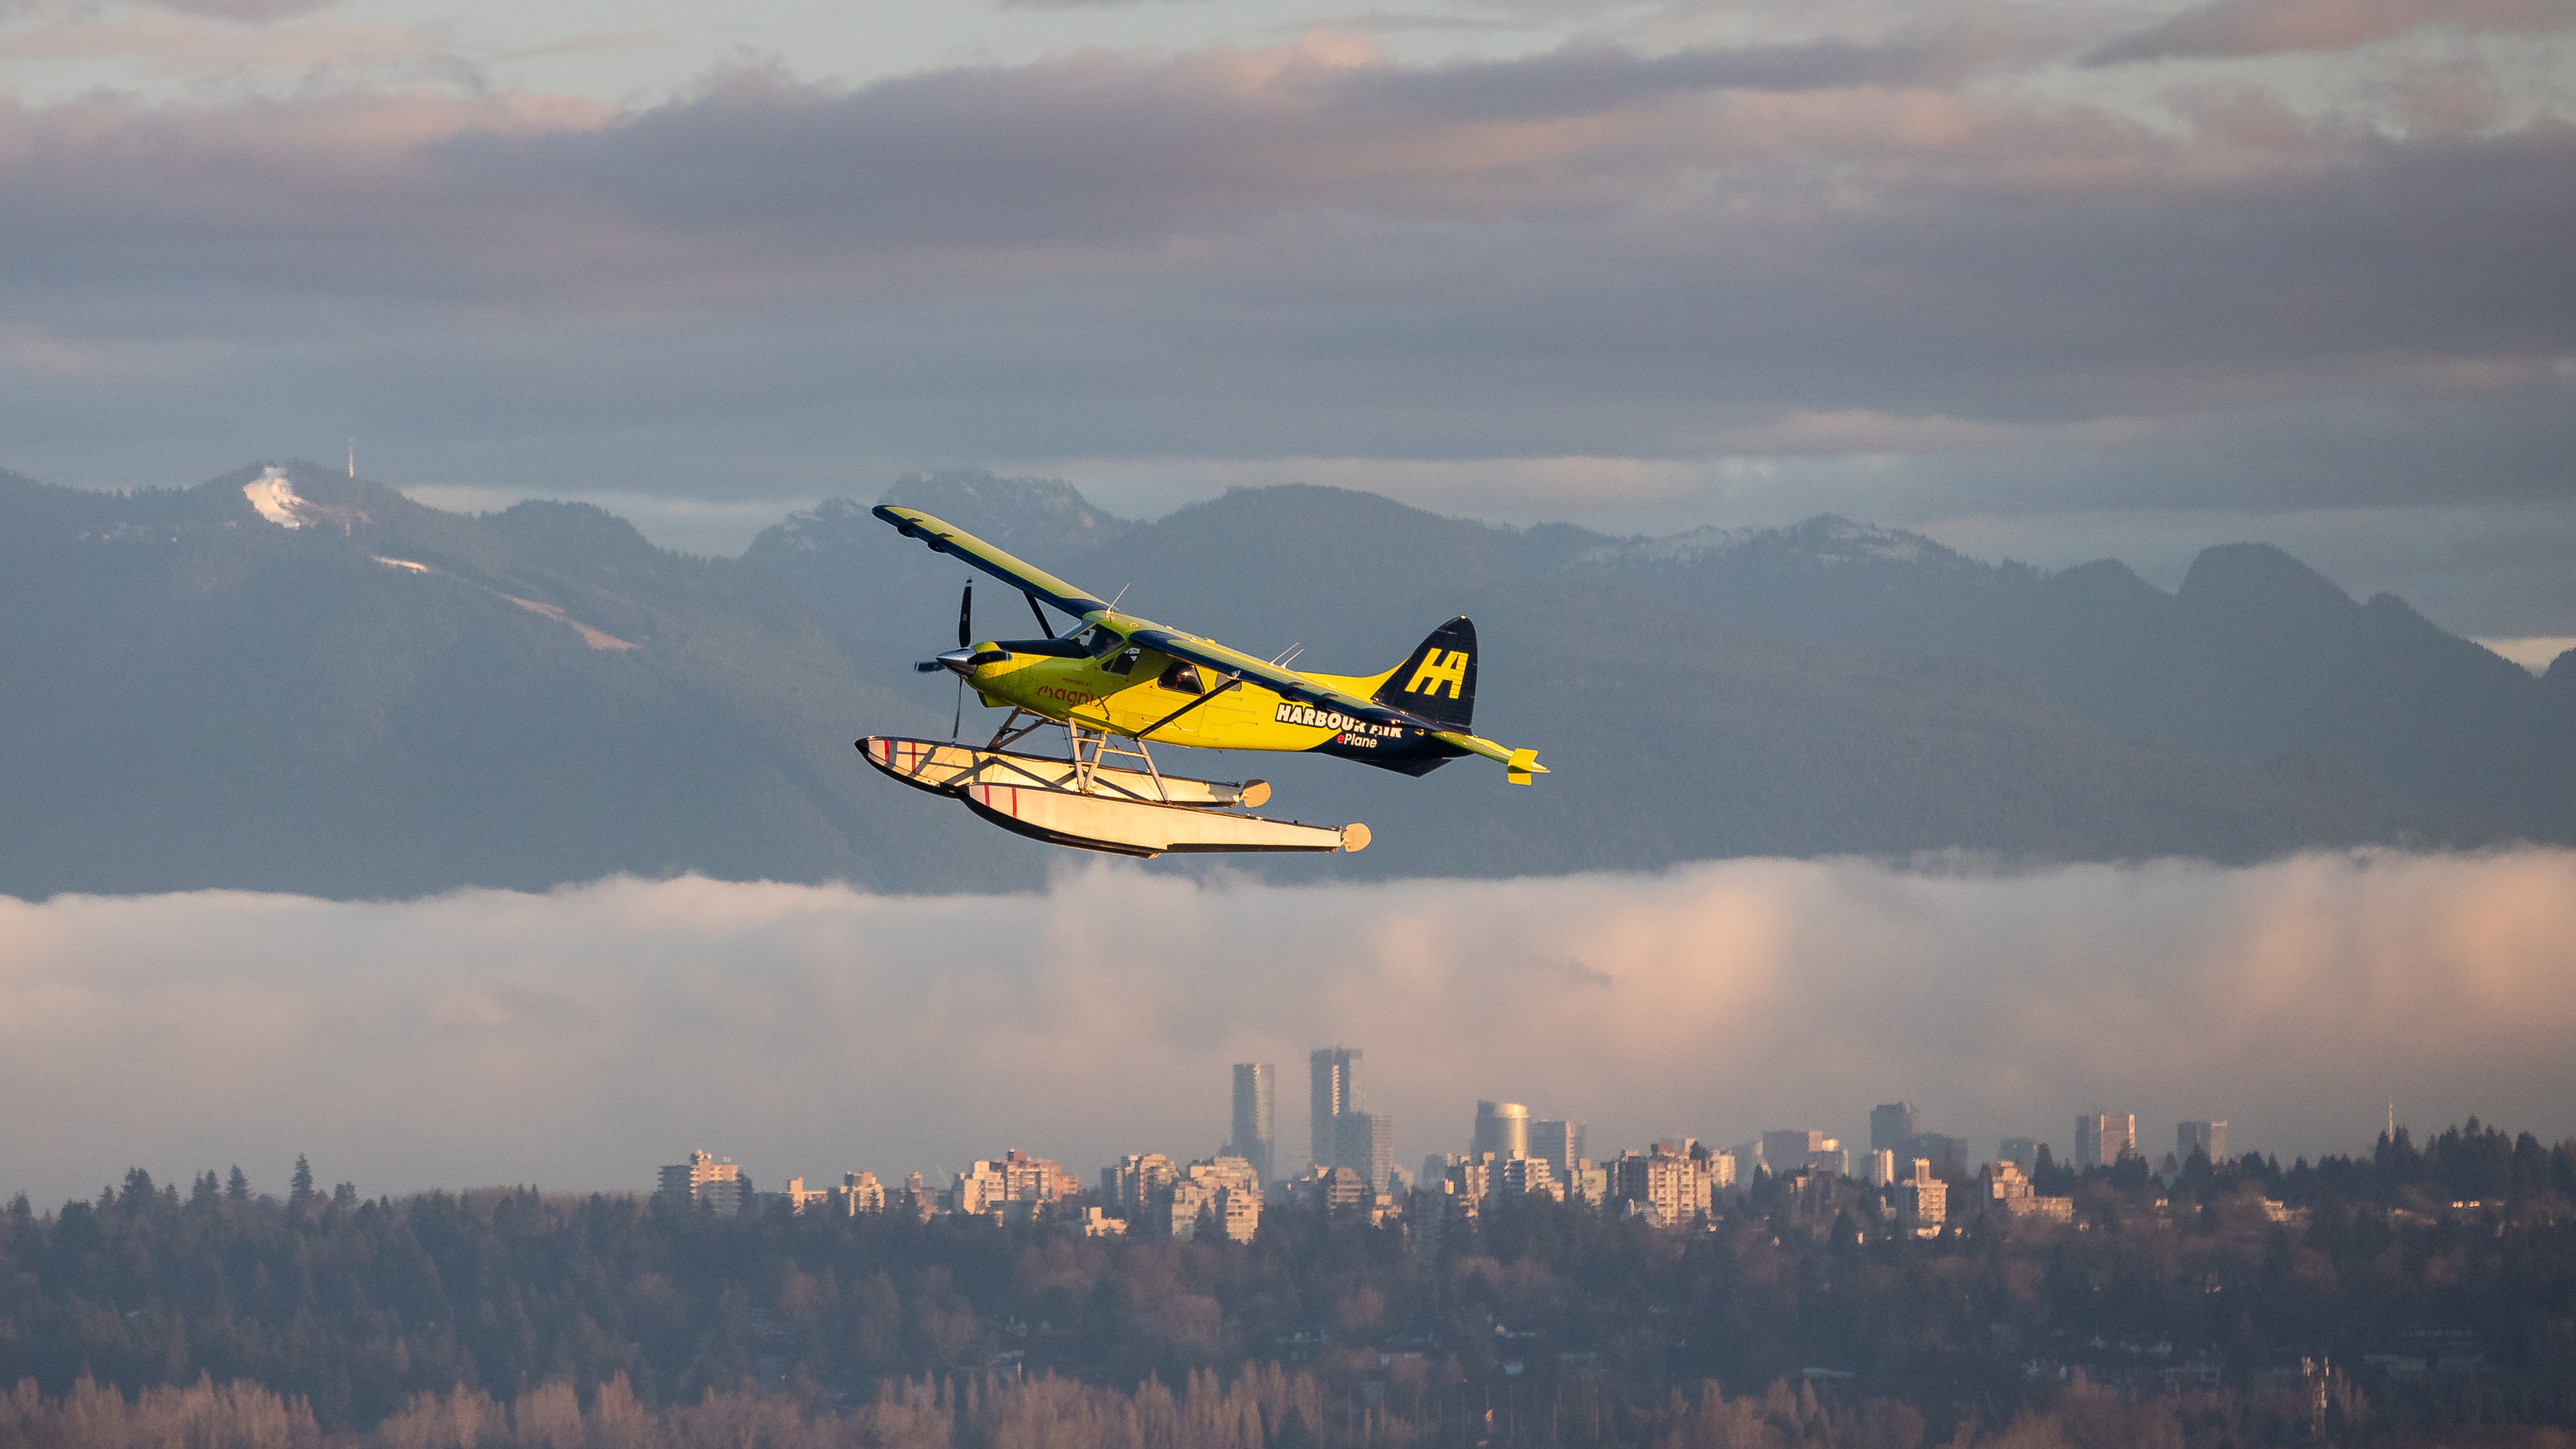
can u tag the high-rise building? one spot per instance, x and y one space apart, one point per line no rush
1923 1201
1522 1176
1560 1143
1503 1129
1364 1142
1803 1147
859 1192
1334 1089
2008 1187
982 1189
1941 1151
1666 1184
2103 1138
1892 1125
2209 1139
2021 1152
1337 1192
703 1182
1136 1181
1256 1115
1223 1188
1882 1167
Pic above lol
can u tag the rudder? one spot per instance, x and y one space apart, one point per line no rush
1438 680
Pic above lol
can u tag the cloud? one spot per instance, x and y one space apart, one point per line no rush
1883 266
579 1039
190 41
248 11
2240 28
1081 4
1322 251
2535 655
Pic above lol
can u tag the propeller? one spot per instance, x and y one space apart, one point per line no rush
965 640
965 630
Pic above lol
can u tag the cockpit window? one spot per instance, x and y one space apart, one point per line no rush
1182 676
1099 640
1123 662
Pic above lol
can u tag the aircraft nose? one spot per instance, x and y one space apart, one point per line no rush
957 661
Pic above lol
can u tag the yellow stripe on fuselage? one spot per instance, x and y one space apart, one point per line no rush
1086 692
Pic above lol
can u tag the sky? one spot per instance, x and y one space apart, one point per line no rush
578 1040
2047 279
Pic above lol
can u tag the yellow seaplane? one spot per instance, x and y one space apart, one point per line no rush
1115 682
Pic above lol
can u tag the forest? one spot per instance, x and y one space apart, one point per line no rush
2417 1295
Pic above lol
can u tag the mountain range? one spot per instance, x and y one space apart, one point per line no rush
284 679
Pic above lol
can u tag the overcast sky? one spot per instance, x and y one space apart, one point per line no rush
2048 279
579 1040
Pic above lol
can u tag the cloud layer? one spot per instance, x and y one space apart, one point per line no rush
580 1039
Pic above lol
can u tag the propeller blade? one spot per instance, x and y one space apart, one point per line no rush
966 616
1041 613
927 666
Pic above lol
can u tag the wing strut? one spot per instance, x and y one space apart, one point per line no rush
1233 682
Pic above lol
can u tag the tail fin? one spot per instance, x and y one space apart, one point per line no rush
1438 680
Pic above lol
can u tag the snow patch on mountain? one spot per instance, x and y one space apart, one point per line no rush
275 498
274 495
595 638
1705 541
1826 539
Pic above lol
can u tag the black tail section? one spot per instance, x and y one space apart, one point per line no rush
1438 681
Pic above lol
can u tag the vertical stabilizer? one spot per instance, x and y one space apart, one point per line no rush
1438 680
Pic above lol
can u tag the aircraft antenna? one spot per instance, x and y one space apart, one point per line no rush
1291 652
1122 592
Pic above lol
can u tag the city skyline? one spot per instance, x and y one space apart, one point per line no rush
1901 1148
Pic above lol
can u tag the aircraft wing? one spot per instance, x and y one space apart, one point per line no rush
947 538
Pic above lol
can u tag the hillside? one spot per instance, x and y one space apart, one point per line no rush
200 696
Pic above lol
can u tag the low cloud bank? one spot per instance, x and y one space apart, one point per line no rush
576 1040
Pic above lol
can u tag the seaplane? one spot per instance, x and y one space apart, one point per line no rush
1117 683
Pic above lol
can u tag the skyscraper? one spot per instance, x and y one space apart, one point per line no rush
1892 1125
1787 1151
1503 1129
1364 1142
1256 1115
2209 1139
2103 1138
1335 1089
1560 1143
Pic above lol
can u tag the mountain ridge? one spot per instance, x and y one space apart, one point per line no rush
395 700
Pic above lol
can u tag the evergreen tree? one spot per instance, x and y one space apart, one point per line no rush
300 1190
237 1186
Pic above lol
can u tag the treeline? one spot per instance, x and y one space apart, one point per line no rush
1263 1407
2466 1163
543 1308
